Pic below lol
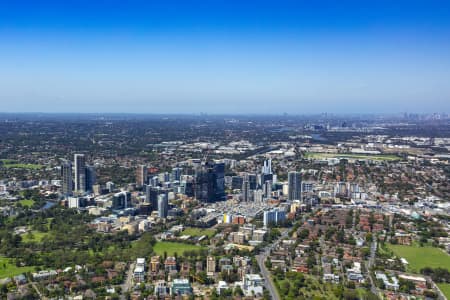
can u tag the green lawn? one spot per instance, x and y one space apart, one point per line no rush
198 232
445 288
9 269
171 248
35 236
9 164
317 155
420 257
27 202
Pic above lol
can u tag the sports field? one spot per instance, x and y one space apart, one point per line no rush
420 257
172 247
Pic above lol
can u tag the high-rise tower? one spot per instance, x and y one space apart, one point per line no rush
294 185
80 173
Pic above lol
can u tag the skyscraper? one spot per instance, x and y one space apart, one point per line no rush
267 168
163 205
141 175
151 196
246 190
121 200
294 185
90 178
210 182
267 189
176 174
67 180
80 173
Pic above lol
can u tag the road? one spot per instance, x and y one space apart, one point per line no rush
261 258
266 275
129 280
369 265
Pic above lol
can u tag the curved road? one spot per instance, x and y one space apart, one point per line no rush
266 274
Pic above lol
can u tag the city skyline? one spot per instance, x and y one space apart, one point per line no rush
225 57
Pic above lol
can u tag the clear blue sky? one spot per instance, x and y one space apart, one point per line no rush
225 56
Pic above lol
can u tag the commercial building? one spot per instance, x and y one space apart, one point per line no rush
210 182
67 179
141 175
163 205
294 185
121 200
80 173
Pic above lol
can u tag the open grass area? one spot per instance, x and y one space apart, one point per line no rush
27 202
445 288
198 232
317 155
420 257
171 248
9 269
9 164
34 236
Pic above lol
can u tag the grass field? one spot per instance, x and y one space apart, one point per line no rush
420 257
171 248
9 164
9 269
445 288
36 236
27 202
198 232
317 155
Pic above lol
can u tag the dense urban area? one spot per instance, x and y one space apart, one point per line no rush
224 207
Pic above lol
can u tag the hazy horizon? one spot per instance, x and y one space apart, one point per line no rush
225 57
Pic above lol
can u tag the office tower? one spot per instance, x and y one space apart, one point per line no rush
67 181
151 196
258 195
252 180
163 205
294 185
236 182
210 182
80 173
154 181
188 185
267 168
121 200
141 175
176 174
91 178
268 189
246 190
164 177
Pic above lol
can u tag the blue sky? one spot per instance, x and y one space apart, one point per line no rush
229 56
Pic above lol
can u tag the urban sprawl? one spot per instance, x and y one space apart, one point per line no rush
210 207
